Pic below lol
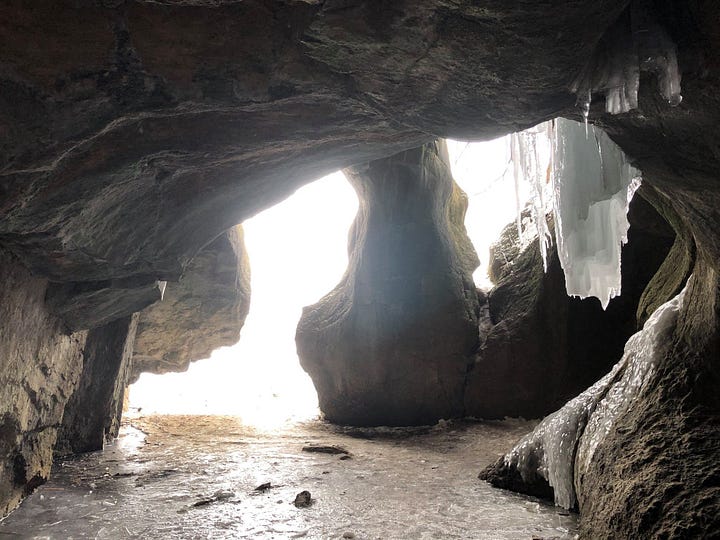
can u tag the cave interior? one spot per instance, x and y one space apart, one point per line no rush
138 135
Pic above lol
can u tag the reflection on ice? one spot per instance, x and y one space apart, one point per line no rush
196 477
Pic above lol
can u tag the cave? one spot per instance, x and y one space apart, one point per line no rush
137 137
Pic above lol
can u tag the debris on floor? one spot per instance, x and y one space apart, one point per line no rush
325 449
303 499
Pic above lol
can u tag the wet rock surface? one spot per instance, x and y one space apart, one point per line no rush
93 413
204 311
620 461
133 133
185 460
40 365
391 344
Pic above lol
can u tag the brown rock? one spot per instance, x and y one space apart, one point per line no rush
205 310
543 347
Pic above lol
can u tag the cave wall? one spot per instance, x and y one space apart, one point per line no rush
656 474
204 311
40 364
391 344
136 132
93 413
542 347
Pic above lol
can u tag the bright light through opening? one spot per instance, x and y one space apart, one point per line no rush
483 170
298 253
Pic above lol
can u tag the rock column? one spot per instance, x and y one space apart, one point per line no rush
391 344
93 413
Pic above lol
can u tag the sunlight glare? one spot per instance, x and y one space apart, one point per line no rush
298 253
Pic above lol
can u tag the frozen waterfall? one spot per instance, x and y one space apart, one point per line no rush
593 184
562 446
584 178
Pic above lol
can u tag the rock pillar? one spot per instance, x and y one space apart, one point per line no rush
93 413
391 344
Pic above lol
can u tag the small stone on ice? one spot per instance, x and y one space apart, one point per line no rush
303 499
348 534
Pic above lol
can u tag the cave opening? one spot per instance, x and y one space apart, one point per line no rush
297 251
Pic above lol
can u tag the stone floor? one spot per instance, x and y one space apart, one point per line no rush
196 477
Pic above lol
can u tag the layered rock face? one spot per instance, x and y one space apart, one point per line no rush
136 132
391 344
64 391
92 415
542 347
205 310
40 364
133 133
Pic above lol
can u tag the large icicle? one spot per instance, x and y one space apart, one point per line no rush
593 184
562 446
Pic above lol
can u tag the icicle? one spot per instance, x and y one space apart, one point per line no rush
562 446
593 184
515 157
636 42
531 157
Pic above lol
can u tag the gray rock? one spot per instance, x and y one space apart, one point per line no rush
391 344
205 310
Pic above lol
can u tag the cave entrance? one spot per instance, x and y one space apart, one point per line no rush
298 252
484 170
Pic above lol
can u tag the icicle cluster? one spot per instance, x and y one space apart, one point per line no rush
593 184
633 44
562 446
578 173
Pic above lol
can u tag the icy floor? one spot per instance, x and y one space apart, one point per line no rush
399 483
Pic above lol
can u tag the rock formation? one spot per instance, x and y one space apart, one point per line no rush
133 133
39 367
391 344
205 310
92 415
543 347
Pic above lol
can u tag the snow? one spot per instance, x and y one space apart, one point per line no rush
563 445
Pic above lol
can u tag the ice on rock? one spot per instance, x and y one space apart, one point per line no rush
562 446
635 43
593 184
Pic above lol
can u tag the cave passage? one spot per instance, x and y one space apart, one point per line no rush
297 251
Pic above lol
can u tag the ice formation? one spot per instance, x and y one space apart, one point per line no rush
530 152
580 175
593 184
635 43
562 446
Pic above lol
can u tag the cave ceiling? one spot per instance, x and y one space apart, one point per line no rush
134 133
